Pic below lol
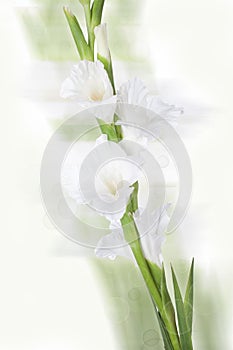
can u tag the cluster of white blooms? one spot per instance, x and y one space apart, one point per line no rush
90 86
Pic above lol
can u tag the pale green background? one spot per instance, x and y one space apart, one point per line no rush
50 298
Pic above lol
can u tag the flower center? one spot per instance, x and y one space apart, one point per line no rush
94 90
111 186
96 96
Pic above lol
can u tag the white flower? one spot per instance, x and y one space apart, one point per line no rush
114 244
103 180
135 93
102 41
89 85
88 82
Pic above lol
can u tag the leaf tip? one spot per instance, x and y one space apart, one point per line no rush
67 11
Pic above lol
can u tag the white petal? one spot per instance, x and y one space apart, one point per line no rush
133 92
88 81
101 139
152 241
168 112
69 182
103 110
113 245
102 41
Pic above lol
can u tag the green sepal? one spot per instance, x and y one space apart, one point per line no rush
85 2
118 128
108 67
127 220
83 49
185 338
188 300
132 205
96 12
108 129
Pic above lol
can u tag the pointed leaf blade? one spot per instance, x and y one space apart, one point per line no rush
166 339
188 300
168 308
80 41
185 339
168 311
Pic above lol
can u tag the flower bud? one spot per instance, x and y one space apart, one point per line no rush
102 41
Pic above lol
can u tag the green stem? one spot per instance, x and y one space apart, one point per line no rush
132 237
155 294
142 264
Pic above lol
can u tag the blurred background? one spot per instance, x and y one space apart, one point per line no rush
54 294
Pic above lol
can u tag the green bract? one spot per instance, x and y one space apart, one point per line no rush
85 2
80 41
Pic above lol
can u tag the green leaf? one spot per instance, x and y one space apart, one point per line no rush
80 41
168 313
156 273
188 300
166 339
185 338
168 309
108 129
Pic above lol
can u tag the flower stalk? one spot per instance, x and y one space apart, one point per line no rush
175 337
132 237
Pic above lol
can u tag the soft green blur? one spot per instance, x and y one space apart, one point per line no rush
49 37
128 305
127 301
129 308
46 29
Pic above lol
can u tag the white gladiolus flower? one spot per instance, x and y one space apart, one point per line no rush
102 41
88 82
105 185
134 92
114 244
90 86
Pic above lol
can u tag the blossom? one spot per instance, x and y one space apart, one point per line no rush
88 82
103 180
114 244
135 93
89 85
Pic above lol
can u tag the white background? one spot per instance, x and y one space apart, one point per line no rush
53 303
